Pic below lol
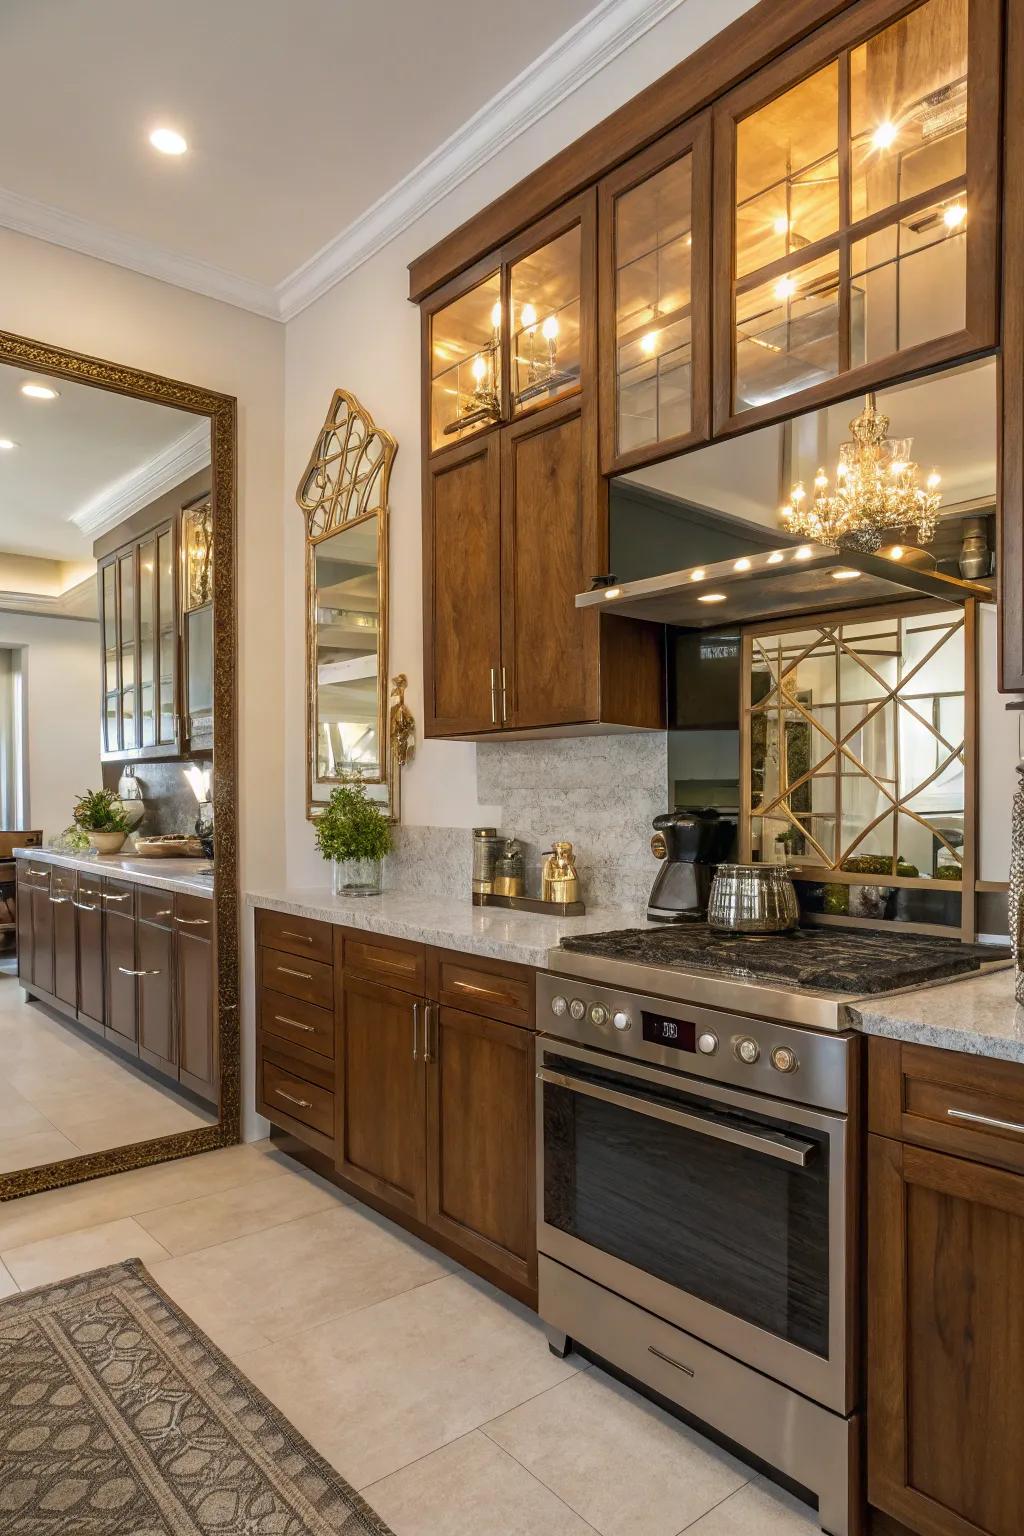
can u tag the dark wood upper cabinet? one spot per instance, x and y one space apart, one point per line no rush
856 208
654 332
139 630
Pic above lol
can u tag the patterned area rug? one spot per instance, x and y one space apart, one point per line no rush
118 1417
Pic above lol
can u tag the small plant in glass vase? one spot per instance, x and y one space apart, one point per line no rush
99 814
355 834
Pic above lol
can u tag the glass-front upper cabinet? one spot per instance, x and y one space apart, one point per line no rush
515 334
858 224
655 300
139 628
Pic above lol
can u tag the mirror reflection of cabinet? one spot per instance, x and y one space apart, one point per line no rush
856 182
197 621
139 627
655 299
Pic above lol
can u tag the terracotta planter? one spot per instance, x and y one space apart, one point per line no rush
106 842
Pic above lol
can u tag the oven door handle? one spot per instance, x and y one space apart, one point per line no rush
780 1145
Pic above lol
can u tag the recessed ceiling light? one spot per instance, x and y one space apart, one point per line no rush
698 574
804 552
742 564
776 557
711 597
168 141
6 445
845 575
39 391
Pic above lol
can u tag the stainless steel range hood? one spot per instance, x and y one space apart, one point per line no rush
774 584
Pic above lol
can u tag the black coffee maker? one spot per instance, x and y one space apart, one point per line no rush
693 843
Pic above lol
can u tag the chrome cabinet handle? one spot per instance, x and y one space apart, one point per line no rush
775 1144
415 1031
686 1370
995 1125
204 922
494 695
429 1018
166 912
108 896
281 1018
504 697
286 970
83 906
58 901
125 972
289 933
302 1103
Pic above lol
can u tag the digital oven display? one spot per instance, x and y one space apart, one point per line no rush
680 1034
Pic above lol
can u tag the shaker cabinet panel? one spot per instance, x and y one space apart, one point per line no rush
381 1117
42 938
158 1043
197 1040
462 596
65 937
89 915
120 1016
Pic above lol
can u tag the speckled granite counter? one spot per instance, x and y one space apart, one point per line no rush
181 875
446 921
976 1015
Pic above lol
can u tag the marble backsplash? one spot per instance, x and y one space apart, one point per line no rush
600 793
170 803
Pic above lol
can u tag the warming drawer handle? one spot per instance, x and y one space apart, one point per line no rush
302 1103
282 1018
784 1148
659 1355
286 970
994 1125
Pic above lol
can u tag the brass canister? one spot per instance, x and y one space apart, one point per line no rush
559 880
509 871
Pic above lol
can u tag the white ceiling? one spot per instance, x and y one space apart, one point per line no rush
71 453
299 115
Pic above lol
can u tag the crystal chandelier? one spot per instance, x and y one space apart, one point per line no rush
876 492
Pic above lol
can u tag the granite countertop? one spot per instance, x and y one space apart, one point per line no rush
182 875
446 921
976 1014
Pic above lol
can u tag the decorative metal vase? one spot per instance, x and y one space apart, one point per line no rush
356 877
1016 901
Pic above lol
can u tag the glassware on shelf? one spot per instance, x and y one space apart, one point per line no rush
545 302
465 364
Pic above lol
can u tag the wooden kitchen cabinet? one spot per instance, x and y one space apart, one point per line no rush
63 884
138 598
42 930
155 954
945 1334
382 1108
480 1142
198 1066
89 916
120 1014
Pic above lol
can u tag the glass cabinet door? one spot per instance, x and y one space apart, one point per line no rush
167 642
655 299
466 364
111 686
545 304
147 641
126 568
861 226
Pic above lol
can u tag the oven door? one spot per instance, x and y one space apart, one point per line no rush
722 1212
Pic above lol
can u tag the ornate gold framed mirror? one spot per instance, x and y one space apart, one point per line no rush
344 495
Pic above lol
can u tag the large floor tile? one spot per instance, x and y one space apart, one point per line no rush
760 1509
376 1389
627 1467
32 1148
126 1130
8 1284
19 1115
293 1277
73 1253
217 1218
469 1488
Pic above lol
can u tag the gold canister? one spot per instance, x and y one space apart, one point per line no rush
559 880
509 871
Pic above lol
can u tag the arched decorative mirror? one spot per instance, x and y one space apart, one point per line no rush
344 494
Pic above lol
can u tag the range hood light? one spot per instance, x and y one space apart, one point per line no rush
698 574
612 592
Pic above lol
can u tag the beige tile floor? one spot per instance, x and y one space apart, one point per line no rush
62 1093
429 1390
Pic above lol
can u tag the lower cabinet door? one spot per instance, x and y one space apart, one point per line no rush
65 938
120 1019
480 1135
945 1340
158 1033
198 1067
42 940
382 1113
23 896
89 916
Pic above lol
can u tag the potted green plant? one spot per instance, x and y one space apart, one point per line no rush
356 836
99 814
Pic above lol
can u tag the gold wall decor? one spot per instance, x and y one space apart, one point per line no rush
344 495
221 412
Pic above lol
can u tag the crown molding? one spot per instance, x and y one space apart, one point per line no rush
184 457
44 222
604 33
78 602
573 59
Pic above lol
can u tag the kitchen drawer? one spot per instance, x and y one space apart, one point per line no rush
496 989
297 1022
296 935
297 1098
90 892
62 884
948 1101
398 962
156 907
194 913
308 980
33 874
119 896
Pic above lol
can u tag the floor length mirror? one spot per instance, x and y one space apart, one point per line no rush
118 890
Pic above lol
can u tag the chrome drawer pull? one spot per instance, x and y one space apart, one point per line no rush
302 1103
107 896
194 922
58 901
125 972
415 1031
467 986
167 912
995 1125
83 906
280 1018
289 933
494 695
286 970
669 1361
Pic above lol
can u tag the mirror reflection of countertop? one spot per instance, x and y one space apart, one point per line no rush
183 875
978 1015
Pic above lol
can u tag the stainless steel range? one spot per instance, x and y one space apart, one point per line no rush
698 1200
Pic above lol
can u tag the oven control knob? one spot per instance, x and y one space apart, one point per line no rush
598 1013
784 1059
577 1008
707 1043
747 1049
559 1006
621 1020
